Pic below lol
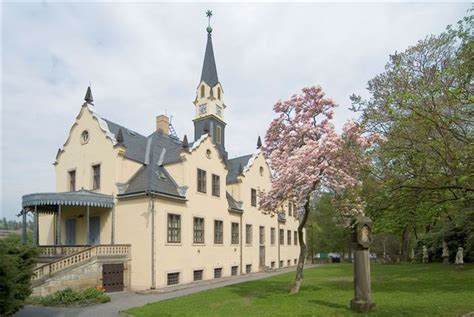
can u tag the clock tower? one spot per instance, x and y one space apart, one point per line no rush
209 102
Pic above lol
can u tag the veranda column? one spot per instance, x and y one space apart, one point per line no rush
87 225
23 227
58 225
35 228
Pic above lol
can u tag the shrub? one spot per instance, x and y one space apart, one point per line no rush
16 270
68 297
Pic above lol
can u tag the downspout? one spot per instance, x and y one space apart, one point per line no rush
152 209
241 247
278 238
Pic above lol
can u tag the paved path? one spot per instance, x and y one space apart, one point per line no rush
124 300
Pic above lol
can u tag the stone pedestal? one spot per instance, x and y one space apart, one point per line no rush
362 301
445 260
361 238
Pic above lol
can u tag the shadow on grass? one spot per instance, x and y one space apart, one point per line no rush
327 304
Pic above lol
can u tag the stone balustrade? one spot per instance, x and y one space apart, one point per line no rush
81 254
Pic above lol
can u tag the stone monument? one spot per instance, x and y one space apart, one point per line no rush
460 258
425 254
361 239
445 254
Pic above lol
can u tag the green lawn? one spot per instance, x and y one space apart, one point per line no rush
397 290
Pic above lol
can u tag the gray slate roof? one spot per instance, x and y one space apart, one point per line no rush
134 142
160 150
209 70
234 205
233 167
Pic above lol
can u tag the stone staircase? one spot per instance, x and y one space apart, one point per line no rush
77 267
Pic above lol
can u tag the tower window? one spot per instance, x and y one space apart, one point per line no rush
202 91
218 135
219 93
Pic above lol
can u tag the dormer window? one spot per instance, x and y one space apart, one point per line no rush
202 109
202 91
219 111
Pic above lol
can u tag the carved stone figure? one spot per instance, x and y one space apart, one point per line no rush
425 254
445 254
460 257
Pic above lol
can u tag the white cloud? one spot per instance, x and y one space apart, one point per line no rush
144 59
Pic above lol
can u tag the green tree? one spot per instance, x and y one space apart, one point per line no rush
422 175
16 270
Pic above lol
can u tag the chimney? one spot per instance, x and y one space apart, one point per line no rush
162 123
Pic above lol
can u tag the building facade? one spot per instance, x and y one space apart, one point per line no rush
187 210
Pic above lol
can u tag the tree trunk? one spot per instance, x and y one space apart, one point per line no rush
405 242
300 267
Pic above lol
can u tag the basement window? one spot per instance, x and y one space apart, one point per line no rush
197 275
234 270
173 278
218 272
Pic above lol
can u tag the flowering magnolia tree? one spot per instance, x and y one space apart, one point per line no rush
307 154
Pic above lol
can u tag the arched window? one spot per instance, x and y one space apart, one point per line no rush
219 93
202 91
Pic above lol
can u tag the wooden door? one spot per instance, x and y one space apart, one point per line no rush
94 230
112 277
71 231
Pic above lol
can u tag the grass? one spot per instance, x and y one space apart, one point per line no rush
397 290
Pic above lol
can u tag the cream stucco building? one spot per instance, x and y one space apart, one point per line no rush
181 210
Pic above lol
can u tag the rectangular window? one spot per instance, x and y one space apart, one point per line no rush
248 268
296 261
197 275
72 181
235 233
272 235
289 237
253 197
288 263
218 272
96 176
234 270
281 263
201 181
295 211
262 235
173 278
272 264
282 236
290 208
248 234
218 134
174 228
218 232
198 230
296 238
216 185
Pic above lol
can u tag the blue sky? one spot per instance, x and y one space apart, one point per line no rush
145 59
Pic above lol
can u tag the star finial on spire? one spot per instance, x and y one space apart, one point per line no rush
209 15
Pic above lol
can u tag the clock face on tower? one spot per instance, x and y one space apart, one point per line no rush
219 111
202 109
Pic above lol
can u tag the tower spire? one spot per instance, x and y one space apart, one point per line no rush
209 70
88 98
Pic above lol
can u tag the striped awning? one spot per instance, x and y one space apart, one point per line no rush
77 198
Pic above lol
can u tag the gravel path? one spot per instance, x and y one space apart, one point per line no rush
125 300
